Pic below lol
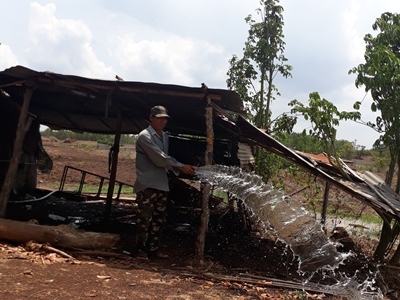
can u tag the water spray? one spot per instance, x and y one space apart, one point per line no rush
291 222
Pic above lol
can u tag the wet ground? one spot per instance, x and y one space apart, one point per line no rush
230 248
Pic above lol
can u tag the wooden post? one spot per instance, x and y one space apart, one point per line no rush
327 188
205 187
325 203
114 163
24 123
210 134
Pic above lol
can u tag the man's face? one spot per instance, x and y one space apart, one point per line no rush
158 123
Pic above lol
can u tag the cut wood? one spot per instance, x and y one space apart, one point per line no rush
32 246
58 236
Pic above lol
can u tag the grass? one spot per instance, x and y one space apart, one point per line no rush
370 218
93 189
221 194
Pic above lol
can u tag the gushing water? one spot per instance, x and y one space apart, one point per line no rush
290 221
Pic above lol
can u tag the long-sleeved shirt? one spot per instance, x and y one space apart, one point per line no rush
153 161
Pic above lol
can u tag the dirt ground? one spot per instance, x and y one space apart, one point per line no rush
237 265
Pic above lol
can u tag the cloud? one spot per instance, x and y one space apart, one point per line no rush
7 57
172 59
62 45
353 37
136 51
176 41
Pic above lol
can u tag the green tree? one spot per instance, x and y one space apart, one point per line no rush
302 142
324 118
252 75
263 58
380 75
345 149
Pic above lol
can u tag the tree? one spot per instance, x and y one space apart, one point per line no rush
252 75
380 75
324 118
263 58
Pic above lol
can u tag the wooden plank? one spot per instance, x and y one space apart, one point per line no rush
24 123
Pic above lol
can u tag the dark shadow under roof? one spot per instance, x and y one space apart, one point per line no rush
90 105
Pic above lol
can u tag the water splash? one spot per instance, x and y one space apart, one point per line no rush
290 221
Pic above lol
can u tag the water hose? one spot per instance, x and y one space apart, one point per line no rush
33 199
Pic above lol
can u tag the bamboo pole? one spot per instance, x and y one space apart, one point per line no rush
24 123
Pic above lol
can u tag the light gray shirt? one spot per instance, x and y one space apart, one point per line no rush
153 161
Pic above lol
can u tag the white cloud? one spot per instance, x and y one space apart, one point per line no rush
171 59
354 38
187 43
7 57
62 45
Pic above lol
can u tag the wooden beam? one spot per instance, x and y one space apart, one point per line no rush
114 163
24 123
162 90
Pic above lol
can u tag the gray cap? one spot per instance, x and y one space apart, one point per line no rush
159 111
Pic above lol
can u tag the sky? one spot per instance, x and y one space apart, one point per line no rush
188 42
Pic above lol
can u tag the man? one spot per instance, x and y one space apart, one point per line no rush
151 186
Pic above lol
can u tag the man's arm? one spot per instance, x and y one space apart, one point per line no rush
186 169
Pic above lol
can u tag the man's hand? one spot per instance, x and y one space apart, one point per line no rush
187 169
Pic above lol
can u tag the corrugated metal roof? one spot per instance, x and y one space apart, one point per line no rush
245 155
367 187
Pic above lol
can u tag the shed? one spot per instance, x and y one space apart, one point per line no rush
103 106
121 107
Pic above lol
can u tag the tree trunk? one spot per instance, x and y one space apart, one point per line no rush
398 175
391 169
395 233
385 239
58 236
